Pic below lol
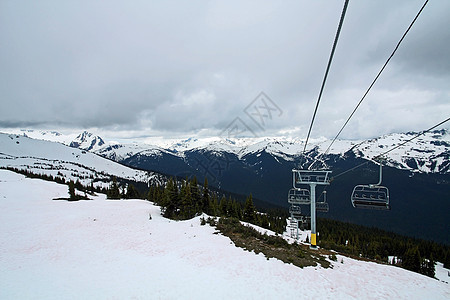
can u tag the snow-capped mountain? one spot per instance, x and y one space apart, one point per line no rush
87 141
429 153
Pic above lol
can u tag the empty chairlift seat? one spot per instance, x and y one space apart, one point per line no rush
299 196
295 211
371 197
322 207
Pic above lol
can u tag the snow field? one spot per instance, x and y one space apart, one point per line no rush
109 249
50 158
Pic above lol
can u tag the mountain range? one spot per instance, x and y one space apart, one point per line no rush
417 174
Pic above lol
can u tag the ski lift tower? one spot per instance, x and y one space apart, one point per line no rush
311 178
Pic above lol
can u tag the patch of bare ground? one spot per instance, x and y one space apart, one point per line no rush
272 246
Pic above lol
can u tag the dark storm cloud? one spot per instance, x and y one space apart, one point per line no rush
175 67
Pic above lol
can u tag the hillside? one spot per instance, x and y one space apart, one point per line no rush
58 160
103 249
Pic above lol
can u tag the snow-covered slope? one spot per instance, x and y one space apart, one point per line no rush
50 158
46 135
109 249
85 140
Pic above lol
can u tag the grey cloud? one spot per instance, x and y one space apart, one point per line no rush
175 67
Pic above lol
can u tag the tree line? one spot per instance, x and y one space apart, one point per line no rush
413 254
185 199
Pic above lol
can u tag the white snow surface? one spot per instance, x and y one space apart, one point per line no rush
109 249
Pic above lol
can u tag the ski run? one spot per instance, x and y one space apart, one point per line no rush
111 249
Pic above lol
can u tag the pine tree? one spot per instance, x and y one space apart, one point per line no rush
230 210
205 197
249 210
187 209
170 201
223 206
411 259
447 260
132 193
236 210
196 198
150 194
72 195
113 192
78 185
213 205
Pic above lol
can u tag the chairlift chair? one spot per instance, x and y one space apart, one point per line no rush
371 196
322 206
295 211
299 196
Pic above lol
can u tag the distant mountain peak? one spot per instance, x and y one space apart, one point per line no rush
87 141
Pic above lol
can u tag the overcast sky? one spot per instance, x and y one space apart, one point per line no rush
186 68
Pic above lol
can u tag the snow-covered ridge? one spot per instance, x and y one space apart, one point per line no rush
85 140
50 158
430 153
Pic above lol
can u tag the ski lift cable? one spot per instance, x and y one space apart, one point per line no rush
327 70
392 149
376 78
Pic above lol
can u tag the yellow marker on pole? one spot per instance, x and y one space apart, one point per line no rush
313 239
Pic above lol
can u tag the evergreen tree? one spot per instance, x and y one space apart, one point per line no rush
223 206
411 259
150 194
113 192
132 193
215 205
78 185
195 193
447 260
72 195
230 210
187 209
236 210
205 198
170 200
429 268
249 210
